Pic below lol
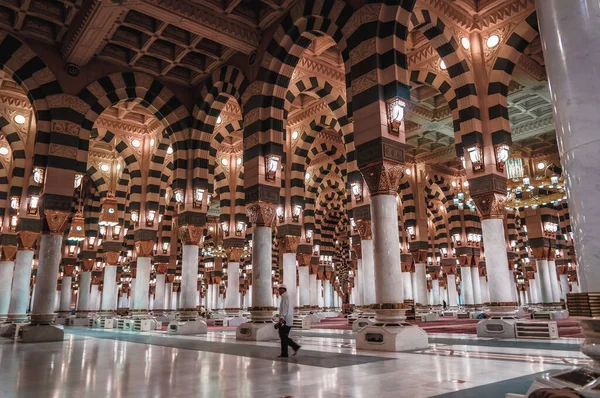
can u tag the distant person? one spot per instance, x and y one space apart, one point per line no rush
286 320
445 305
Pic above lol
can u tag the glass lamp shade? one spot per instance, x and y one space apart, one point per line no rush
77 231
108 214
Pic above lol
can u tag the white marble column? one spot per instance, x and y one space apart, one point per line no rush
289 275
407 283
496 259
554 281
249 296
534 289
304 285
336 299
546 287
443 295
169 296
42 309
368 266
358 287
261 267
569 32
327 294
467 286
83 299
215 299
142 285
132 294
6 276
477 300
485 292
313 290
94 299
421 284
564 286
452 293
65 294
528 296
209 297
109 289
159 293
189 280
435 292
232 298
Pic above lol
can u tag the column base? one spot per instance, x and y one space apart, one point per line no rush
40 333
498 327
17 318
43 319
400 337
550 314
361 322
187 314
255 331
188 326
234 321
3 317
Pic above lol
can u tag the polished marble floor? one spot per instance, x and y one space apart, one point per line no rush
97 363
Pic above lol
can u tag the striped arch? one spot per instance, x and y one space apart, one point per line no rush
508 56
223 192
407 198
320 88
150 93
156 174
224 83
121 193
331 196
221 133
131 162
264 105
3 189
447 199
301 154
240 198
444 86
463 81
17 149
99 182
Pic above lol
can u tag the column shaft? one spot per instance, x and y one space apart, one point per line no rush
233 285
109 290
85 281
289 275
421 284
467 286
368 282
304 285
261 268
159 293
564 286
554 281
314 301
65 294
42 310
189 278
485 293
435 292
546 287
407 282
452 293
496 262
6 276
142 284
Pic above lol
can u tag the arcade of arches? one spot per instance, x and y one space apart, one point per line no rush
405 169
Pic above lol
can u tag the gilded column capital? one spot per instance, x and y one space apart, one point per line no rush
540 253
111 258
144 248
55 219
9 252
234 254
357 250
261 214
161 268
303 258
289 244
88 264
382 178
68 270
364 229
490 205
190 234
27 239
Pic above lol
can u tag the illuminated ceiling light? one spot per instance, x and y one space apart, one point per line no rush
295 134
465 43
152 142
170 150
541 166
307 176
466 184
443 65
4 151
19 119
407 172
453 183
239 161
225 162
219 120
493 41
104 167
442 207
136 143
118 166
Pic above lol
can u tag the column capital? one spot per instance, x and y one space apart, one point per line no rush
261 214
88 264
161 268
289 243
190 234
364 229
144 248
358 250
27 239
9 252
234 254
489 194
383 177
111 257
68 270
303 259
55 220
419 256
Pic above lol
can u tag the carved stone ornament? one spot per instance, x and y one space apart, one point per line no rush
540 253
144 248
88 264
111 258
261 214
56 220
27 239
382 178
234 254
364 230
289 244
357 250
161 268
68 270
9 253
303 258
491 205
190 234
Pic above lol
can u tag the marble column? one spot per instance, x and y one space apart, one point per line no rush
65 294
452 293
232 298
546 287
435 292
132 294
358 283
443 295
485 293
85 282
289 244
109 289
407 283
169 296
262 290
554 285
42 309
327 294
189 279
94 298
304 285
142 286
249 305
6 276
564 286
467 286
499 282
534 289
314 301
368 266
569 33
159 293
336 299
477 300
421 284
528 295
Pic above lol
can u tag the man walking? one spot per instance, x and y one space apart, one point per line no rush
286 320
